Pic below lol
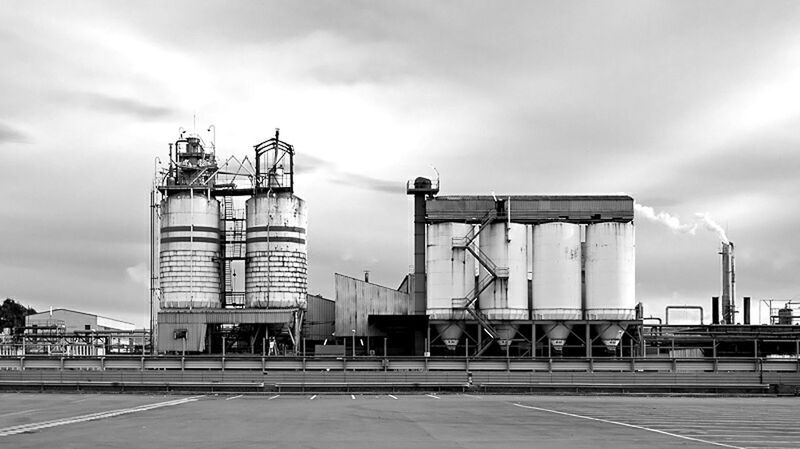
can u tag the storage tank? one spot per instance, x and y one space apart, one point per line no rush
189 256
450 275
276 263
507 298
557 278
610 278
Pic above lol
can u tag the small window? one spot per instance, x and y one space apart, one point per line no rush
87 327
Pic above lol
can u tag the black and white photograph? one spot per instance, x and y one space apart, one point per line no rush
400 224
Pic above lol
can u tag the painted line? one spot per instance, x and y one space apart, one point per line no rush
234 397
21 412
633 426
352 396
273 397
393 396
312 398
14 430
432 396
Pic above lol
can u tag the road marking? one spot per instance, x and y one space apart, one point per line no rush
393 396
14 430
432 396
312 398
633 426
234 397
352 396
273 397
21 412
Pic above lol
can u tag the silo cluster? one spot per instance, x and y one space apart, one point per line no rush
578 272
190 255
193 238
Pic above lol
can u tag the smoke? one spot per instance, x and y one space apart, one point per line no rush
675 224
666 219
712 226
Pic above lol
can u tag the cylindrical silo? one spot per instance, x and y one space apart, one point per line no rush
610 278
507 298
276 263
190 252
557 278
450 275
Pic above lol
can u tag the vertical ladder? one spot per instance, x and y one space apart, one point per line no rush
227 247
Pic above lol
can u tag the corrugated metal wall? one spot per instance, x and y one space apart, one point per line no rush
319 319
356 300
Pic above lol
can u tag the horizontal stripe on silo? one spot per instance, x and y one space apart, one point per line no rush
276 229
190 239
189 229
276 239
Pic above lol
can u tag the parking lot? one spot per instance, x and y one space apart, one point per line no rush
396 421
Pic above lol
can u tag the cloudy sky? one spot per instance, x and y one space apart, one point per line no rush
687 106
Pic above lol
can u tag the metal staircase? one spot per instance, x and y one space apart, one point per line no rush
493 272
233 248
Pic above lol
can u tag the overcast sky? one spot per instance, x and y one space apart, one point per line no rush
687 106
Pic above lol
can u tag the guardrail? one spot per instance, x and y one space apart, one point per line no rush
422 364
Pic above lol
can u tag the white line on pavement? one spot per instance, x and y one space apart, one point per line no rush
234 397
273 397
432 396
91 417
629 425
21 412
352 396
312 397
393 396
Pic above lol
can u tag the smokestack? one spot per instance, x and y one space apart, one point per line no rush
746 310
715 310
728 283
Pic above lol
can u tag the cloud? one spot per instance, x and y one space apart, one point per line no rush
11 135
368 183
120 105
139 273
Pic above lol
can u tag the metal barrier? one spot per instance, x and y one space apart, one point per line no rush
418 364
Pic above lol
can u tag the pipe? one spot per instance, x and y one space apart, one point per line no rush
684 308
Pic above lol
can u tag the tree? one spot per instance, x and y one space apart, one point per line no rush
12 314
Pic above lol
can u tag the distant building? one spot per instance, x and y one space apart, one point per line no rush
72 320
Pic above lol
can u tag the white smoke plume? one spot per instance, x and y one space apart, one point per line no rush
675 224
711 225
666 219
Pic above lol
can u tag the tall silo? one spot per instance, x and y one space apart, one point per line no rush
450 275
276 262
505 244
610 278
189 230
557 278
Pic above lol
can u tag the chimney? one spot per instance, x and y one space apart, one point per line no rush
728 284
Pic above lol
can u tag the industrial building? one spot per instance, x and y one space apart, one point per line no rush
518 276
202 234
72 320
